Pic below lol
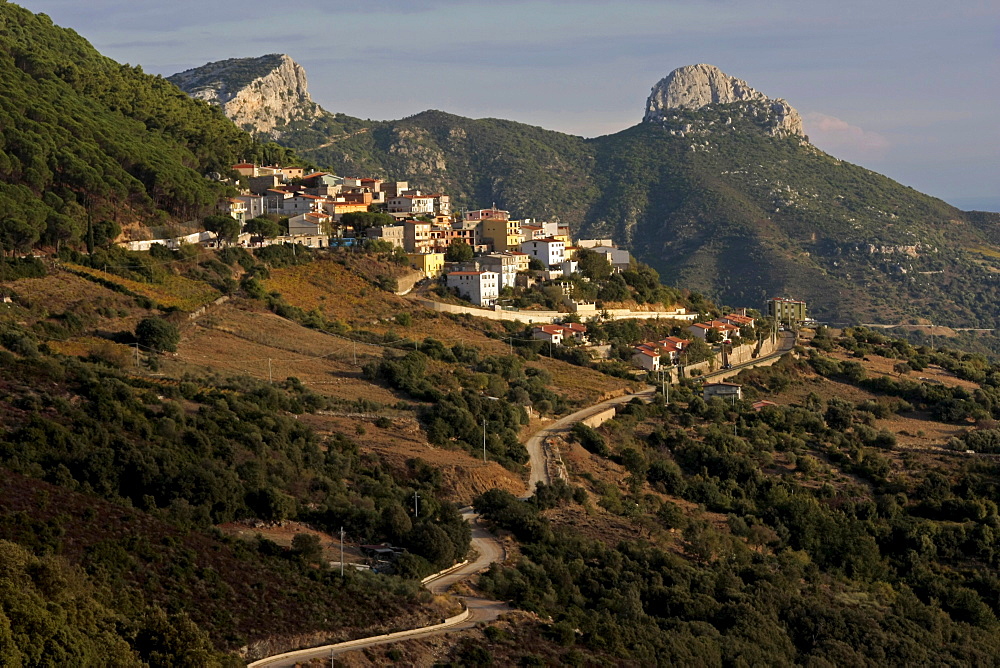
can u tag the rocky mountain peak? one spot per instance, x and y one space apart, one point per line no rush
694 87
260 94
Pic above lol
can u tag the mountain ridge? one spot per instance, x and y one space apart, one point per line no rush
728 198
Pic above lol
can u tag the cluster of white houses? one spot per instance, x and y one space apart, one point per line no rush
425 227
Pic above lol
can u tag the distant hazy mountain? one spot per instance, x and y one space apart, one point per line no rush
717 188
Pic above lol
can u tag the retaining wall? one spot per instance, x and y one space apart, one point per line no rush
327 650
597 419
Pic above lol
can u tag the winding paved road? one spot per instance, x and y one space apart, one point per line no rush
535 443
487 547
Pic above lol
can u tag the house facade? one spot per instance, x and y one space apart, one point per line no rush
431 265
547 251
503 234
786 310
479 287
727 391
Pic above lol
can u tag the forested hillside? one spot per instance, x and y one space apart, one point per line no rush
835 526
83 138
721 208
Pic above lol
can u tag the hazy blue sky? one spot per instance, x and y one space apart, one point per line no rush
909 88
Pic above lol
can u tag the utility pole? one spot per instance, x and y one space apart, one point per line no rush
416 504
484 439
341 551
270 377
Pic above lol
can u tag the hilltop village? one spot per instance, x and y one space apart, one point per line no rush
484 263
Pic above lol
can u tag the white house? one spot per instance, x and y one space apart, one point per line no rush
548 251
479 287
646 358
412 204
255 205
550 333
302 203
728 391
311 223
503 264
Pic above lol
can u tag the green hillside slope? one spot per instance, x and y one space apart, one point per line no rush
83 135
725 208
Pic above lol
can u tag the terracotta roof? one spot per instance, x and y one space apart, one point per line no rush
701 325
641 351
575 326
722 384
244 164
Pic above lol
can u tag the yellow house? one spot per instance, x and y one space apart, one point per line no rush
506 234
430 264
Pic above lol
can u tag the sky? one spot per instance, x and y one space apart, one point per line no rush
908 88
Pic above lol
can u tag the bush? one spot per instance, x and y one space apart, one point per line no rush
157 334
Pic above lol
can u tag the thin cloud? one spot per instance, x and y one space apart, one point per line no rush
840 138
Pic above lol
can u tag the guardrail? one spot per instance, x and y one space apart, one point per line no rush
316 652
441 574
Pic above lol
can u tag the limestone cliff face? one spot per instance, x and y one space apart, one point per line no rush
696 86
259 94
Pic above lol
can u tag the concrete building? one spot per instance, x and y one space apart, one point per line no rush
619 259
547 251
254 204
415 205
312 223
235 207
787 311
503 264
551 333
430 264
503 234
260 184
394 234
646 357
728 391
417 237
487 214
482 288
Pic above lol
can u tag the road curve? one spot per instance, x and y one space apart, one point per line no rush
535 444
787 343
488 548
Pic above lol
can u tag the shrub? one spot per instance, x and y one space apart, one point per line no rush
157 334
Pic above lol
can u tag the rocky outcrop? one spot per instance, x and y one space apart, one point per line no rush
697 86
259 94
